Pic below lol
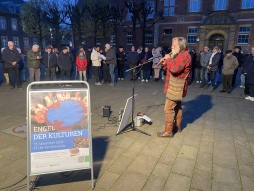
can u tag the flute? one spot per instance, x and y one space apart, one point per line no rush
162 60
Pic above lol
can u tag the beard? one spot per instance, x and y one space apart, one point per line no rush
174 52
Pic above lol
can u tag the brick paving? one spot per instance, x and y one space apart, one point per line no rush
214 152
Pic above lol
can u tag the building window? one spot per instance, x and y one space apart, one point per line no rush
243 35
150 4
192 35
220 5
194 5
129 38
14 26
26 43
113 38
247 4
12 9
35 41
149 37
4 40
98 41
169 7
16 41
2 23
167 31
43 43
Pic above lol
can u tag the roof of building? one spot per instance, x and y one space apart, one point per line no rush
5 5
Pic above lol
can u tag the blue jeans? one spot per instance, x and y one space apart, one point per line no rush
112 72
146 74
204 77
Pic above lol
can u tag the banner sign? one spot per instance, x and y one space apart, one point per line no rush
59 132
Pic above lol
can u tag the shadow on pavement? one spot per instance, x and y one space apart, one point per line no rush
194 109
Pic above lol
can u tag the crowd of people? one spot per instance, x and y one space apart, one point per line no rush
108 66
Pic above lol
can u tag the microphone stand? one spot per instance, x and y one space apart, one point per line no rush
131 125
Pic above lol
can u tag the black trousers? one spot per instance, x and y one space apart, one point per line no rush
212 77
120 70
227 82
16 72
96 70
50 74
234 77
106 74
65 73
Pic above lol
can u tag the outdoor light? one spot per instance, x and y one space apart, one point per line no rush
197 39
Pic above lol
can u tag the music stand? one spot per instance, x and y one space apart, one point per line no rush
131 101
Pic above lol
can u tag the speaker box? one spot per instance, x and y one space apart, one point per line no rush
106 111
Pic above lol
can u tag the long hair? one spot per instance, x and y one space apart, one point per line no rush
181 42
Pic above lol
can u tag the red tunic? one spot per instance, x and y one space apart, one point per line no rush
178 67
81 64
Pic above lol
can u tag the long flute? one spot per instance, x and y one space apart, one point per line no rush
162 60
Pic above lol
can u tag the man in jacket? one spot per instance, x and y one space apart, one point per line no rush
64 62
230 63
204 60
49 60
111 60
177 64
33 62
11 58
133 59
248 71
96 61
237 53
89 63
213 66
120 62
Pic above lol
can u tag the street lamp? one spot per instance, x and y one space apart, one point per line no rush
51 35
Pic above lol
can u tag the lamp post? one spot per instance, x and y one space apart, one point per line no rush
51 36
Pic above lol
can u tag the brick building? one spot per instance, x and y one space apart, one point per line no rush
11 28
225 23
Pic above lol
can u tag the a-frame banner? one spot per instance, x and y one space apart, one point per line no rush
59 129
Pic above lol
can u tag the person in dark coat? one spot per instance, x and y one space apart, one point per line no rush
64 62
198 68
11 59
49 60
120 62
213 66
133 59
237 53
145 64
248 71
89 63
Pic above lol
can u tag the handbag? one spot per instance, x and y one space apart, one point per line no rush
175 88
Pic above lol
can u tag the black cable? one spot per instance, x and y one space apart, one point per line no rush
14 183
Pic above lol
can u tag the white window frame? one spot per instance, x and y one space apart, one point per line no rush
247 6
149 37
244 34
220 5
2 23
26 42
129 38
169 8
14 24
16 41
4 41
194 6
192 35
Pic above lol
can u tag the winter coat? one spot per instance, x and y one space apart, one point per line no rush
81 63
10 56
32 60
204 59
49 59
156 60
248 69
132 58
111 56
120 57
96 61
239 57
215 62
145 56
229 65
64 61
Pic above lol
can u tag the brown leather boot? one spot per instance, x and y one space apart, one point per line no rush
167 133
178 124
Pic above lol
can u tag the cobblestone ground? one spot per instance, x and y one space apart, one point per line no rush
213 152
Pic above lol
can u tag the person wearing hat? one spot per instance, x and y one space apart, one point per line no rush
49 60
230 63
64 62
237 53
120 62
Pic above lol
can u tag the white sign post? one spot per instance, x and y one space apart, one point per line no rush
59 135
